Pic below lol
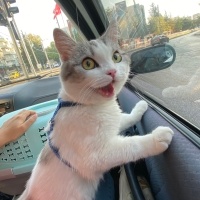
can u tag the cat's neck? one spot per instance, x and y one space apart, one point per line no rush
65 97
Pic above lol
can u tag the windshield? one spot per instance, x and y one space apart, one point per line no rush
27 49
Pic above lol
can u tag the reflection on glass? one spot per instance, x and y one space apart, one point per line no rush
143 24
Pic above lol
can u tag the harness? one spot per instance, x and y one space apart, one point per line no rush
54 148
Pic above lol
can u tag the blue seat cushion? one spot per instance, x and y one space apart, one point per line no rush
106 188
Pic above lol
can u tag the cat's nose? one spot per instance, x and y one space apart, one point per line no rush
111 73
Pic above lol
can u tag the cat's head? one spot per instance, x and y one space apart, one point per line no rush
94 71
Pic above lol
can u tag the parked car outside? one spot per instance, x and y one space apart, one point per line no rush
159 39
14 75
56 64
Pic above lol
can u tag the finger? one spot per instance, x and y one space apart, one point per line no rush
30 121
26 113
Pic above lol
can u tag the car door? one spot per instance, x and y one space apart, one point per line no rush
174 174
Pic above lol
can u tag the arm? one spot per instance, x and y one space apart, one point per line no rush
128 120
16 126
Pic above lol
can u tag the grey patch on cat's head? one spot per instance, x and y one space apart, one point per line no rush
84 50
46 155
68 73
93 43
67 70
81 51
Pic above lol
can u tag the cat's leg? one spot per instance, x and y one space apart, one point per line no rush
128 120
120 150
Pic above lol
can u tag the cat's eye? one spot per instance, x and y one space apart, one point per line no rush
88 64
117 57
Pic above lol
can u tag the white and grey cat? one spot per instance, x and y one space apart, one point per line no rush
86 135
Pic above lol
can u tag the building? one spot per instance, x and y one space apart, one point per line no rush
139 13
132 21
120 9
8 57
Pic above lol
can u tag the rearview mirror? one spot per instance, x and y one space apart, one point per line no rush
152 59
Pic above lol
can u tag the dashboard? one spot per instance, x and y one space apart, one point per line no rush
21 95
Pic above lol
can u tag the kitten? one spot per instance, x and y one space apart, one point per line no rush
84 140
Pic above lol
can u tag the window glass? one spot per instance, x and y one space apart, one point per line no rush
144 23
27 49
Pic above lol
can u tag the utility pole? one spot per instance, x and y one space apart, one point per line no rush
32 51
23 45
46 56
14 40
27 54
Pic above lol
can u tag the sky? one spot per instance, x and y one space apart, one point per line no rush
36 16
173 7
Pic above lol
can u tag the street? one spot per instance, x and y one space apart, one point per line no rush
45 73
177 87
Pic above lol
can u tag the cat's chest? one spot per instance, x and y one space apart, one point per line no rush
90 119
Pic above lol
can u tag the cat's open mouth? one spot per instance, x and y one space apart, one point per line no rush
107 91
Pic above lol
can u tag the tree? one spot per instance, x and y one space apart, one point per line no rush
110 12
197 22
187 23
159 23
155 19
37 47
178 24
154 10
52 52
24 56
34 42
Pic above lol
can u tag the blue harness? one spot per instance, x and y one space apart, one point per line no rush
54 148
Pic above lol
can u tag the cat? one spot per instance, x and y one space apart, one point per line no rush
84 133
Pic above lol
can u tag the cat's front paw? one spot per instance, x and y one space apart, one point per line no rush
162 137
139 109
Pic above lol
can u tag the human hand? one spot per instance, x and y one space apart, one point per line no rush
16 126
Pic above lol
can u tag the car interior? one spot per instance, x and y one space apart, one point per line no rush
172 175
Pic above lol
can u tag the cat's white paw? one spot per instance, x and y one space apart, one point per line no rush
162 137
139 109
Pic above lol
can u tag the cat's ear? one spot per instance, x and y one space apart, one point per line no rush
64 43
111 34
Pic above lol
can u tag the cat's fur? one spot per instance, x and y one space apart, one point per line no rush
88 134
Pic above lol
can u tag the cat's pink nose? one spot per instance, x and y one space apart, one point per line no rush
111 73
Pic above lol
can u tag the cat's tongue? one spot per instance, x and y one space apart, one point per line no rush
107 91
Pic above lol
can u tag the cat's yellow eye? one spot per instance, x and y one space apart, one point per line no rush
88 64
117 57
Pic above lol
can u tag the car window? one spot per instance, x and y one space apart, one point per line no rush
28 50
145 23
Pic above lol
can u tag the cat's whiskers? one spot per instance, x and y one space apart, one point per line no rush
85 93
91 88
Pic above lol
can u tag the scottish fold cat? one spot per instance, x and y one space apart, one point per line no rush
84 132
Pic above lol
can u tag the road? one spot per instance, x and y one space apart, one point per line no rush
177 87
45 73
